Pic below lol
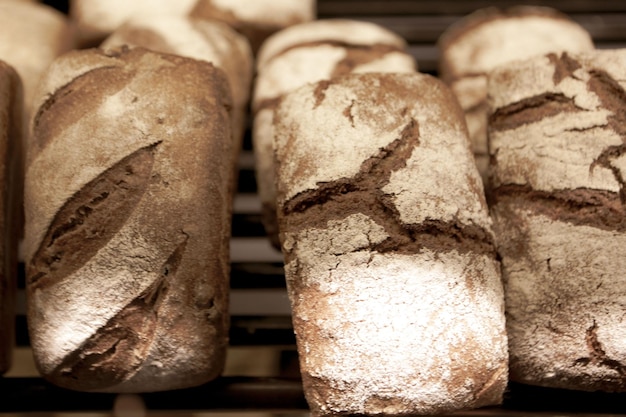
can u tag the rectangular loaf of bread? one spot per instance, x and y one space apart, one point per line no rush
558 146
390 261
127 227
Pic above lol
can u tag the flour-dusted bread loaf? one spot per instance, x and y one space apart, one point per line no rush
10 204
97 19
305 53
489 37
127 196
557 140
257 19
32 35
201 39
390 262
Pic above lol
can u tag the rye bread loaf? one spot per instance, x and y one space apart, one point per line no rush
32 35
201 39
492 36
557 140
10 204
390 260
127 197
305 53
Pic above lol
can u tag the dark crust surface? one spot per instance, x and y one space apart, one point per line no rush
90 218
530 110
363 194
189 292
581 207
10 204
118 349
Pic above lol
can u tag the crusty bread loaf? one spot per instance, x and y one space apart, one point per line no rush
306 53
127 227
97 19
32 35
257 19
390 260
490 37
201 39
10 204
557 144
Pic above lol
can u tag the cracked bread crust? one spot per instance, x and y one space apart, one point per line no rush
490 37
127 222
390 260
312 52
10 204
557 143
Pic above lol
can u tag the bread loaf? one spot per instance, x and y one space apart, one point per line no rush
38 29
557 139
10 204
97 19
389 253
126 197
201 39
306 53
257 19
490 37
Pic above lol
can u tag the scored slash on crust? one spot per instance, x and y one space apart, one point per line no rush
90 218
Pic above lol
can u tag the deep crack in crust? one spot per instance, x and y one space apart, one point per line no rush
90 218
363 194
116 350
597 208
530 110
129 300
558 244
348 250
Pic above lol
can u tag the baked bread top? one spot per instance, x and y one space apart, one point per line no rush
489 37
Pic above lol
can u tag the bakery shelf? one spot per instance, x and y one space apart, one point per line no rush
257 269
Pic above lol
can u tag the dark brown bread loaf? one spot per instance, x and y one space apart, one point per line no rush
390 261
127 226
557 141
10 204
